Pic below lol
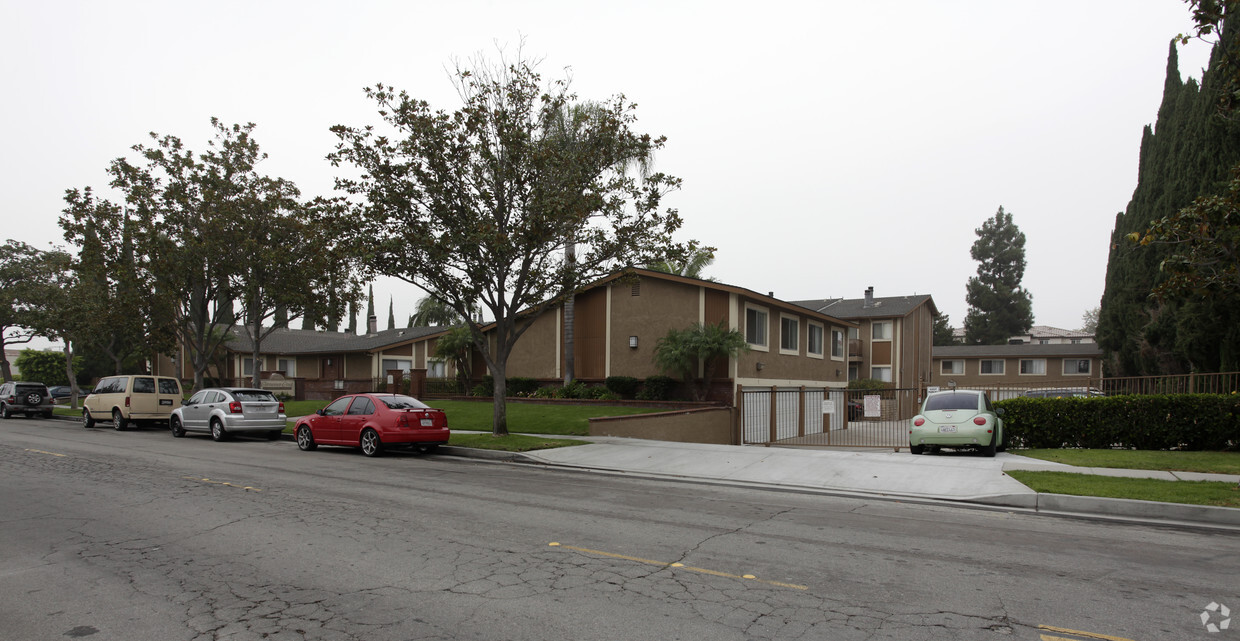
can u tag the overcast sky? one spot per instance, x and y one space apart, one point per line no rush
824 146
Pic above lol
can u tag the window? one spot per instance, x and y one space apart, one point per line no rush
337 407
401 364
837 344
288 366
255 396
436 369
813 339
789 330
247 366
361 407
881 373
853 373
881 331
1076 366
1076 341
854 333
992 366
143 386
1033 366
198 398
755 327
953 367
169 386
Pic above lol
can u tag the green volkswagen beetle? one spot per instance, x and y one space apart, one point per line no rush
957 419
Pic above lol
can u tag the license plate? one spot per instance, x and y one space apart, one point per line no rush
165 401
947 429
428 422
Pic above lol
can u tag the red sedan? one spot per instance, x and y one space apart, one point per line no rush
374 422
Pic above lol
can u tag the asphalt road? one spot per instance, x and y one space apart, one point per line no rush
138 536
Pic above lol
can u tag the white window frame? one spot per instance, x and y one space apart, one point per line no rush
953 370
843 343
810 327
765 328
981 367
795 350
1033 362
874 369
888 334
288 366
1089 366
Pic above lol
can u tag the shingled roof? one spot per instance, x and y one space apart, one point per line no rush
884 307
307 341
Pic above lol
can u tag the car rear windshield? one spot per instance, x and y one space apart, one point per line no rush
30 388
403 403
254 395
952 401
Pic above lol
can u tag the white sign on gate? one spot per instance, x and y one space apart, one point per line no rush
828 407
873 406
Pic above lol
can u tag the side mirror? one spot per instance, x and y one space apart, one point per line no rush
319 412
999 411
185 401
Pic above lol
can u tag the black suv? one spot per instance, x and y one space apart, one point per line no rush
25 398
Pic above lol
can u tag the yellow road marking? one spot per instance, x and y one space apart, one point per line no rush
1091 635
681 566
48 453
240 487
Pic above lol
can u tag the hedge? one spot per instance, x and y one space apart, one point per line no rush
1143 422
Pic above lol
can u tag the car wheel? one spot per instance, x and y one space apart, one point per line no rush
989 450
371 445
4 411
274 435
217 430
305 439
87 421
118 420
917 449
177 429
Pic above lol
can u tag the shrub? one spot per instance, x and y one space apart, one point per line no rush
521 386
868 384
657 388
546 392
624 386
1143 422
483 389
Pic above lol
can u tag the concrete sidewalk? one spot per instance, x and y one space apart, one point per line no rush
962 477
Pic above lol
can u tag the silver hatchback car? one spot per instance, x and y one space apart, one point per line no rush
230 410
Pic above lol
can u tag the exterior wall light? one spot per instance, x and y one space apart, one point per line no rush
633 342
761 365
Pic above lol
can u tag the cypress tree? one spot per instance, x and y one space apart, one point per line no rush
998 306
391 313
1186 154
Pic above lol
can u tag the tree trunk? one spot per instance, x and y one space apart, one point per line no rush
570 315
5 369
499 421
255 332
73 388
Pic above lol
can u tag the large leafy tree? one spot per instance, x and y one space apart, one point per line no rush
998 306
685 352
28 279
472 206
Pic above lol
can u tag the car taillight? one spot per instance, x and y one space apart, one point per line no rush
979 420
919 421
235 407
281 407
403 421
126 401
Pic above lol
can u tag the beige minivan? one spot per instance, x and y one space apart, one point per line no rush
133 399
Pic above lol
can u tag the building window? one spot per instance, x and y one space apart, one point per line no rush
854 334
1076 341
1044 341
1076 366
853 373
247 366
789 331
881 331
755 327
813 339
436 369
953 367
881 373
397 363
837 344
1036 366
992 366
288 366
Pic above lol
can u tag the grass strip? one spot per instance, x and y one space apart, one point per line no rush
1189 492
1206 462
511 443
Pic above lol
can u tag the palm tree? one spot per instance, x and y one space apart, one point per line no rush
431 311
682 351
692 266
575 131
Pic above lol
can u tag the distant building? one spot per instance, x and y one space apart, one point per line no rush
1040 335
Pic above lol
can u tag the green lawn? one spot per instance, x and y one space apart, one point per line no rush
1208 462
1191 492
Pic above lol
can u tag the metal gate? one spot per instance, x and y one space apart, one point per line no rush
826 417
